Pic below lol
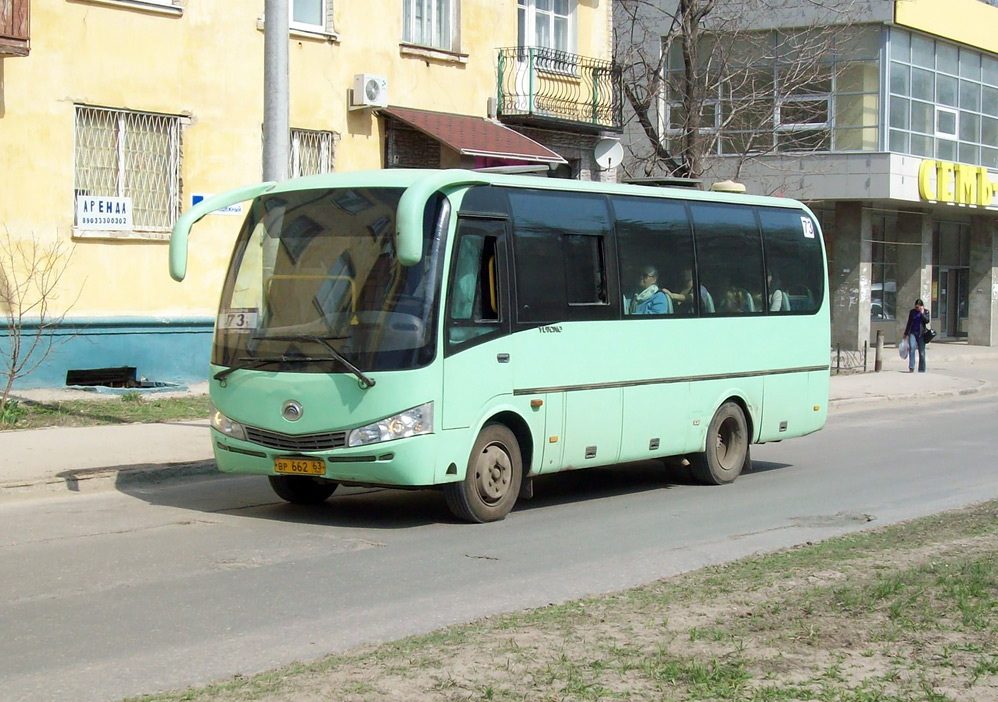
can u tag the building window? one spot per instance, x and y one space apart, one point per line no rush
943 100
308 14
430 23
768 97
548 24
803 123
135 155
883 287
311 152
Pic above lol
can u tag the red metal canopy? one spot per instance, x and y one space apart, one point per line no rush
474 136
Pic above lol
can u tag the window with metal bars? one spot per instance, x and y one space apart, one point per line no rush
120 153
311 152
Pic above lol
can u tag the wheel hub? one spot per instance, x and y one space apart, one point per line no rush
493 474
727 436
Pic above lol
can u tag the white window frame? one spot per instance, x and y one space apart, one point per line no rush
168 7
321 27
530 18
956 123
174 124
429 22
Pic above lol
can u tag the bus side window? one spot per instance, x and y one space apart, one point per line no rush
729 258
654 238
562 248
474 300
794 268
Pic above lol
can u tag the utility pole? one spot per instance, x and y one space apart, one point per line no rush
276 134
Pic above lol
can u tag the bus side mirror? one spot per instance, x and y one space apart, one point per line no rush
182 229
412 206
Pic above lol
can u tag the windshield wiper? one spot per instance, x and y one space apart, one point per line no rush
365 381
255 362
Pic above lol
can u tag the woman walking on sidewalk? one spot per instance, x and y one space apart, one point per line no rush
914 332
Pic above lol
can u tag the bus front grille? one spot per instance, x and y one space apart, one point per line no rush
300 442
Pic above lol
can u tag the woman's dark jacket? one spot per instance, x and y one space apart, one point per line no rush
916 322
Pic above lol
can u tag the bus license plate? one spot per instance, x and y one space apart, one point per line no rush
300 466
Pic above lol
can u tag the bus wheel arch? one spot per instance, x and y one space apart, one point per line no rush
727 445
492 479
521 430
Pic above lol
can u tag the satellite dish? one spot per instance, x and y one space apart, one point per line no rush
608 153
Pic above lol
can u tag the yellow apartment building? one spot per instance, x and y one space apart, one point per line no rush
116 115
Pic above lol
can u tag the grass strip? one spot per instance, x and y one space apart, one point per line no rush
118 409
904 613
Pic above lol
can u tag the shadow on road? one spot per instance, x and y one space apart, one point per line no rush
385 508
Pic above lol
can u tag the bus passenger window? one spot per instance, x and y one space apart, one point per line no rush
656 256
560 243
585 269
794 268
729 257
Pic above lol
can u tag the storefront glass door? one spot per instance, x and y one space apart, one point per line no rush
951 279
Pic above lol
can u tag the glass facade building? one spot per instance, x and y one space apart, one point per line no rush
884 117
943 100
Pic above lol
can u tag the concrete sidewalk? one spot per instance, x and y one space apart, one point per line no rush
84 459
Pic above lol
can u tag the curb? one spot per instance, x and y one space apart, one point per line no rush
92 480
98 479
983 386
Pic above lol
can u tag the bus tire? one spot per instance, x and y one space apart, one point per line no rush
301 489
492 481
726 452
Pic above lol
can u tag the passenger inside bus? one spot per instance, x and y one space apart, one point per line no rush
779 299
683 302
737 301
648 298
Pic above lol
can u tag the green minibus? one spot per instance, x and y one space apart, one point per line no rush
469 331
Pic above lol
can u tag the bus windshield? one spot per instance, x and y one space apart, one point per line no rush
315 286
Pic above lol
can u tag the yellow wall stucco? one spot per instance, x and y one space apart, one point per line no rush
205 63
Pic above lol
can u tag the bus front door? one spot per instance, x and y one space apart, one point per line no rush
478 363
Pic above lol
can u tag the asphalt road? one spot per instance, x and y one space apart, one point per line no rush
108 595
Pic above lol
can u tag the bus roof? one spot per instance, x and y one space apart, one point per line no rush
407 177
419 185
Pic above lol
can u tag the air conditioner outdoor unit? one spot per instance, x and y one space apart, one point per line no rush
369 91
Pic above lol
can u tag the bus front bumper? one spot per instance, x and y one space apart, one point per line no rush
406 462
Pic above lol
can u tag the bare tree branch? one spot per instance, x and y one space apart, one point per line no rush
705 78
31 273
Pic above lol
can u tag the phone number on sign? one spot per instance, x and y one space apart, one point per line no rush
104 220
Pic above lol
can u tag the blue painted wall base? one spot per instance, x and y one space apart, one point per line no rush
165 350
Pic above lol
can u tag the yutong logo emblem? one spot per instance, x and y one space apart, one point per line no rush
292 411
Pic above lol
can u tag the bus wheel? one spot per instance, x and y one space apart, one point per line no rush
727 449
301 489
492 482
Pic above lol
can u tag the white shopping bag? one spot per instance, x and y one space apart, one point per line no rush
903 348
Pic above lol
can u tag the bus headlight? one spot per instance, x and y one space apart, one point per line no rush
413 422
226 426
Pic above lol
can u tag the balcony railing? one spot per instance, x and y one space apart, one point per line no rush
15 23
538 85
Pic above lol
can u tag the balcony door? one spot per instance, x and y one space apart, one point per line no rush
546 36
